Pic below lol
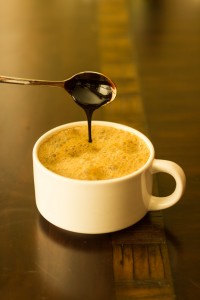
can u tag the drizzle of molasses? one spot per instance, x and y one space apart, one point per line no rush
90 94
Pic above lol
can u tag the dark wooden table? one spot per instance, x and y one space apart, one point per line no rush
151 50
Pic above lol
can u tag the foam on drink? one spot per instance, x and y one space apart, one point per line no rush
112 154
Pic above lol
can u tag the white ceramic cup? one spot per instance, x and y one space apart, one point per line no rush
102 206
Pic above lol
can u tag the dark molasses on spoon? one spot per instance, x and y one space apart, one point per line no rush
91 92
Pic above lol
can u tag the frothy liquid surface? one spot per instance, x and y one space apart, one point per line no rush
112 154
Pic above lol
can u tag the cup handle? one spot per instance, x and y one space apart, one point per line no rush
159 203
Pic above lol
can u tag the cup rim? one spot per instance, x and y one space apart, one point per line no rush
50 132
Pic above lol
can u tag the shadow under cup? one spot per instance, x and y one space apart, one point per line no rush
101 206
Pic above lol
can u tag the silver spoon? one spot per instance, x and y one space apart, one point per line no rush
86 88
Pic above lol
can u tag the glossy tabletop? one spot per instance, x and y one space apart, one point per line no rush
150 49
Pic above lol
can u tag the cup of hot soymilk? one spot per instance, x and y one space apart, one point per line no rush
98 187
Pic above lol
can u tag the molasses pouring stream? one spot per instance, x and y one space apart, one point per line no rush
90 90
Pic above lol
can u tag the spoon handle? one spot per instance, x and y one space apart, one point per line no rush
15 80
